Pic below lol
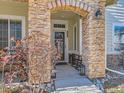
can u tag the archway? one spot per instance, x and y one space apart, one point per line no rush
60 13
93 46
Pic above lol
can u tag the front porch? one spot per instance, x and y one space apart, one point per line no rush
68 80
90 37
66 34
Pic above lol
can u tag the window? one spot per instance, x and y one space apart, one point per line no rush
75 38
118 37
3 33
59 25
15 30
10 28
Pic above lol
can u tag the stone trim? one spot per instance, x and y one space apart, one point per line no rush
76 4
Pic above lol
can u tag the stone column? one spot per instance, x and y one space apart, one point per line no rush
39 42
94 43
80 35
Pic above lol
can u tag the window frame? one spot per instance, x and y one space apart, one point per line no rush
12 17
75 38
114 51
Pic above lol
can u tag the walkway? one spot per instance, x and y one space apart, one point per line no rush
69 81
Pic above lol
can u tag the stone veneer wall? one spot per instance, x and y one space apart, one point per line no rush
93 34
94 47
95 63
39 42
94 43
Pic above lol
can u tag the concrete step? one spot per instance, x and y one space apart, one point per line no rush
81 89
68 80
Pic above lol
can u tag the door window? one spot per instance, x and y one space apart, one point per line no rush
59 44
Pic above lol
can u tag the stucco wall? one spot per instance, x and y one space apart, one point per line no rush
71 35
14 8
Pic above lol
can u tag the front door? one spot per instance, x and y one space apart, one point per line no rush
59 41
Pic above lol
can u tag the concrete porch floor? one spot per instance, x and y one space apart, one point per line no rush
69 81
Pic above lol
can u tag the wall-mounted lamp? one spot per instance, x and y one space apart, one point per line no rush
98 13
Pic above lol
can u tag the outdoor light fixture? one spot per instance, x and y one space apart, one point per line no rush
98 13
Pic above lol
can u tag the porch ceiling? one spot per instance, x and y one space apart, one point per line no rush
65 15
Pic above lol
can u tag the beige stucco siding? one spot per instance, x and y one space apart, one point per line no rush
14 8
71 35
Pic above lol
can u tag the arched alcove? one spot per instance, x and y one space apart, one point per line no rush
93 38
